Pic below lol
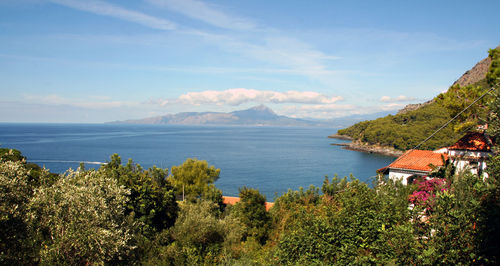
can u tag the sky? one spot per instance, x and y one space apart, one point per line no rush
94 61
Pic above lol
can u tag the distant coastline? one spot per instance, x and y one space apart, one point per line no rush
362 147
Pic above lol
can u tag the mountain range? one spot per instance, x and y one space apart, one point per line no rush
256 116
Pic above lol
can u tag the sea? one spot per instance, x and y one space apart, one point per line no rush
270 159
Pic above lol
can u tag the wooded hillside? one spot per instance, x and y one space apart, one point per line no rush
405 130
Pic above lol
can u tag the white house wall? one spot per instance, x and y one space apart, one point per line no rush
396 175
464 165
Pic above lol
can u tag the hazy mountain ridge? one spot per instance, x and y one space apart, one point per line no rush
257 116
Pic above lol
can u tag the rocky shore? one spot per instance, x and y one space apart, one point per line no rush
336 136
363 147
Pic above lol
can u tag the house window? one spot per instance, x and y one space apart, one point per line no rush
474 165
411 179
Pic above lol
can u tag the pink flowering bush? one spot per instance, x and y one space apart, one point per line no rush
426 192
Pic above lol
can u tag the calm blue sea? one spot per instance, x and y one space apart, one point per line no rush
271 159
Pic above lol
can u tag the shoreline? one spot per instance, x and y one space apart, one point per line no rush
362 147
343 137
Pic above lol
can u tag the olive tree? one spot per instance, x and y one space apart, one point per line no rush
80 220
202 235
15 193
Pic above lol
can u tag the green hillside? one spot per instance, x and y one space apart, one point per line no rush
406 130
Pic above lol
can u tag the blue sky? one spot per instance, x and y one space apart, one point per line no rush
104 60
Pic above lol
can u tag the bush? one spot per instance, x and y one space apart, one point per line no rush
15 192
151 200
80 220
350 224
202 236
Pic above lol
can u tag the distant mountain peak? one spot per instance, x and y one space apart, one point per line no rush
262 108
259 115
260 112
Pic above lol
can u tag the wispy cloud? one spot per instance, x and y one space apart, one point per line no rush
240 96
93 102
400 98
391 106
271 46
107 9
319 111
206 13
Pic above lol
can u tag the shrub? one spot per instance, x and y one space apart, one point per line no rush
80 220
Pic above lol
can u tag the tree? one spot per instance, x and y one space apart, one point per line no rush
493 77
492 203
80 220
352 223
11 155
151 199
251 210
202 236
36 175
457 227
193 178
493 74
15 191
457 98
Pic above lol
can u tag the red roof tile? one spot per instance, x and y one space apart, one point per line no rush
417 160
230 200
473 141
233 200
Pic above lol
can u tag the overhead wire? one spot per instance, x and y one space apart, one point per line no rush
455 117
451 120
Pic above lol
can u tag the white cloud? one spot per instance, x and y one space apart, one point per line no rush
392 106
205 12
319 111
400 98
330 111
106 9
239 96
296 104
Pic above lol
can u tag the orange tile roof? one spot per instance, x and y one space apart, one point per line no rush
473 141
233 200
230 200
417 160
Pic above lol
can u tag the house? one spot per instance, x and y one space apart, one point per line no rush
413 163
469 153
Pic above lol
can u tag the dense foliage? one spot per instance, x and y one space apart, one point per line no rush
80 220
493 78
194 180
406 130
151 199
15 193
95 217
251 210
202 235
